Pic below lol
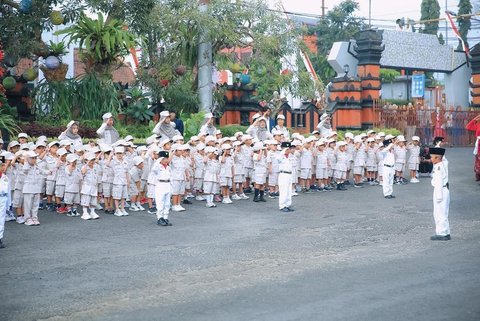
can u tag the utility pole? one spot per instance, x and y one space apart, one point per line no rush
446 24
204 60
323 8
369 13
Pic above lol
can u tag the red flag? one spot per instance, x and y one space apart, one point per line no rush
457 33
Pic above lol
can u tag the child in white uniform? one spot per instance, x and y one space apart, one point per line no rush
32 188
163 188
135 173
306 166
400 159
226 173
89 188
72 185
198 173
179 175
341 165
260 173
239 170
211 176
60 180
121 180
414 158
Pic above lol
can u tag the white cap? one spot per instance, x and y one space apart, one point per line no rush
310 139
381 134
107 116
141 149
151 139
164 113
94 149
237 143
53 143
209 139
315 132
30 154
20 154
42 138
276 132
258 146
357 139
90 156
363 135
183 147
370 140
321 142
70 124
349 135
13 143
22 135
208 115
194 138
210 149
226 146
238 134
401 138
341 143
128 138
281 117
324 116
416 138
163 142
256 116
72 158
137 160
389 137
296 143
246 137
61 152
332 134
65 142
41 144
218 132
200 146
177 137
106 148
119 149
371 131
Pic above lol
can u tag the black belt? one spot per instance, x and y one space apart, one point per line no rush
3 194
285 172
164 180
447 186
391 166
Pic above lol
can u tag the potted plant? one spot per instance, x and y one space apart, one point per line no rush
139 107
53 68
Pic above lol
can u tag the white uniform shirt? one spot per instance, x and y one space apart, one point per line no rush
439 180
89 182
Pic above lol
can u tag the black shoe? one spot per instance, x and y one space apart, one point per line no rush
440 237
389 196
342 187
247 191
186 201
348 183
262 199
285 210
290 209
2 246
162 222
152 210
256 198
167 221
359 185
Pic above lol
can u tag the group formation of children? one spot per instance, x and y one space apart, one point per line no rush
166 173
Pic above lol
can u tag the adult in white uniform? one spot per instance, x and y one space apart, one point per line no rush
285 161
388 155
325 126
107 132
165 128
280 127
208 127
441 195
5 198
71 133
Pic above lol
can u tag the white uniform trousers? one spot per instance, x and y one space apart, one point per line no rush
163 192
284 190
3 214
31 201
440 213
388 174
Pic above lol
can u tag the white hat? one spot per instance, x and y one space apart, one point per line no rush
128 138
95 149
276 132
324 116
321 142
201 134
42 138
20 154
349 135
22 135
401 138
357 139
53 143
107 116
332 134
151 139
381 134
164 141
371 131
246 137
258 146
370 140
255 116
13 143
210 149
65 142
31 146
237 143
281 117
315 132
8 156
41 144
389 137
30 154
24 147
226 146
200 146
218 131
137 160
416 138
296 143
119 149
310 139
341 143
177 137
90 156
238 134
61 152
70 124
72 158
183 147
194 138
209 139
208 115
106 148
175 147
141 149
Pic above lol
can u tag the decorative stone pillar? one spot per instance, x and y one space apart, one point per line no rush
369 50
345 99
475 80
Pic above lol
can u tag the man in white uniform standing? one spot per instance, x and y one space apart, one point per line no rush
285 162
388 168
5 198
441 195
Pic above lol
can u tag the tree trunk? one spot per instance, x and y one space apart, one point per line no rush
204 64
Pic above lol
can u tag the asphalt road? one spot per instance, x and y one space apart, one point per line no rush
340 256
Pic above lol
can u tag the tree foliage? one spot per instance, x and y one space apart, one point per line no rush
464 23
340 24
430 9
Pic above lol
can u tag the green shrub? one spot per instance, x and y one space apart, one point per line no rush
193 124
230 130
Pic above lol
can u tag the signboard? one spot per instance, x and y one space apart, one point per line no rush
418 86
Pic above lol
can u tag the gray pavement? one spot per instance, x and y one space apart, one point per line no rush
340 256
